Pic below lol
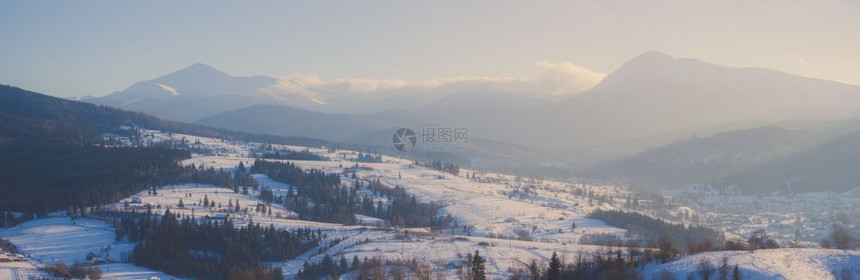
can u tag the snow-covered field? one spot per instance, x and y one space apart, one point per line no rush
61 239
442 251
489 205
548 212
19 270
786 263
369 241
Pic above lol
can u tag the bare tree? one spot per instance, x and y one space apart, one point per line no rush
736 273
759 239
841 238
706 268
724 268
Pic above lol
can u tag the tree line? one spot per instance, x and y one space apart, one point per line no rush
657 231
614 264
211 249
441 166
368 158
316 195
368 269
239 181
269 152
50 178
404 210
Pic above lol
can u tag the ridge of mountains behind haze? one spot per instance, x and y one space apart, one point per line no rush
638 124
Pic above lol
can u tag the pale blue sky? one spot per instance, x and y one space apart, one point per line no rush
74 48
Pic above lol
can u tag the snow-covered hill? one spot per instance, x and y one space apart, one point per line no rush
497 214
496 207
786 263
61 239
510 220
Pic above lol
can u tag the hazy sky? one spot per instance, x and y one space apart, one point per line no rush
74 48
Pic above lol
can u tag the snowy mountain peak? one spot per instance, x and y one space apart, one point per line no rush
200 90
197 72
651 56
640 67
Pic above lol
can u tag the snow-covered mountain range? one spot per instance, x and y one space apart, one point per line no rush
651 101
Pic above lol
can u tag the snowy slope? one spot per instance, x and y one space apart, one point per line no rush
495 208
786 263
491 205
52 240
168 198
487 205
19 270
440 250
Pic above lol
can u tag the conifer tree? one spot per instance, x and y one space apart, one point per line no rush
553 272
478 271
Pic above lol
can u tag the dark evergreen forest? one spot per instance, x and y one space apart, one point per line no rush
211 249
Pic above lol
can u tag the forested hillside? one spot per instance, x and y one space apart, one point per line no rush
42 135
